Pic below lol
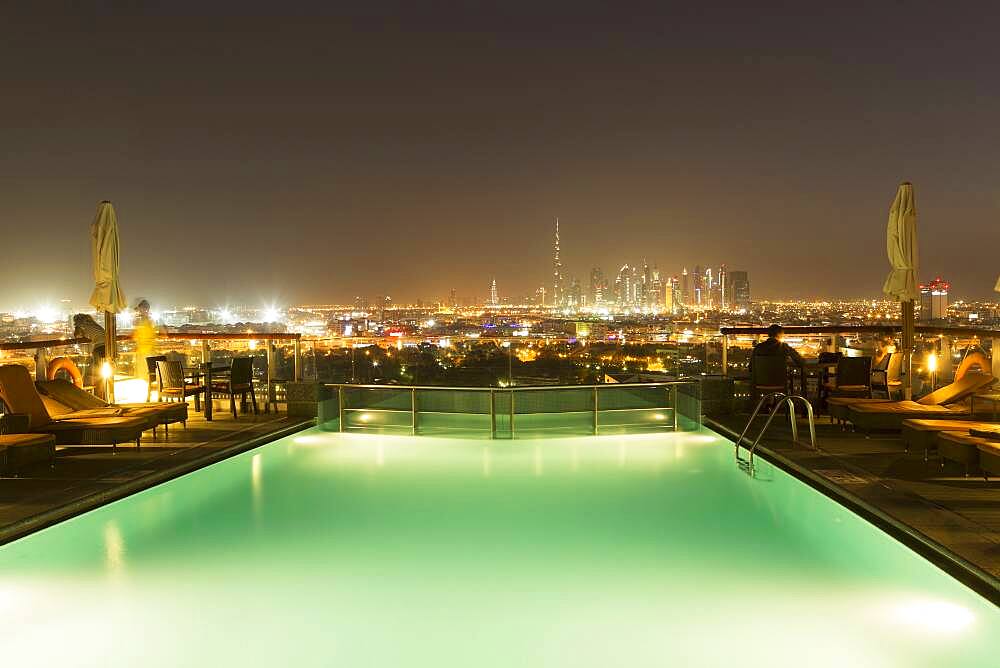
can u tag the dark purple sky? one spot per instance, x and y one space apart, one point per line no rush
408 148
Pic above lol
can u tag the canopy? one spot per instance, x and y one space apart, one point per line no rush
901 245
107 295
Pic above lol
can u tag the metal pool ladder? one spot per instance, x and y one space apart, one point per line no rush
782 399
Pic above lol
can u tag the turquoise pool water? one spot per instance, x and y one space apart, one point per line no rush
327 549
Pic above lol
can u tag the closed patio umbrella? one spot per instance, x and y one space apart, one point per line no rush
901 284
107 295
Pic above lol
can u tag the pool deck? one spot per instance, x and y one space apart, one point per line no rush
83 478
939 505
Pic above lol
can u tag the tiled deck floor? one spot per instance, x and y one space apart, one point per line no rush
84 477
960 513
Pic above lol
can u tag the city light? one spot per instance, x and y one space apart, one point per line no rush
270 314
932 362
46 314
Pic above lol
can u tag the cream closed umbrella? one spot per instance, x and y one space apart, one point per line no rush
901 284
107 295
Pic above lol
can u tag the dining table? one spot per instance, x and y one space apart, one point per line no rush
209 371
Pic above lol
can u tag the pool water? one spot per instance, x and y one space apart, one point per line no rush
327 549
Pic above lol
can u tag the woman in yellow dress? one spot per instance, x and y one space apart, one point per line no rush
144 336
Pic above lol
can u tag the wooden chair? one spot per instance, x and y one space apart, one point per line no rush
173 384
854 378
151 376
768 374
240 382
886 376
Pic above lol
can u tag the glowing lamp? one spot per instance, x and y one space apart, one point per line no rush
932 363
106 371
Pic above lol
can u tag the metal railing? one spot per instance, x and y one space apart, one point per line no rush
512 411
780 399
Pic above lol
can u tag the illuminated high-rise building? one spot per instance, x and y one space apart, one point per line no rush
672 296
698 286
597 287
721 289
685 287
574 295
557 279
623 287
738 287
655 294
494 299
934 300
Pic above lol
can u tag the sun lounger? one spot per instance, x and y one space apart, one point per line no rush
18 450
939 404
967 449
18 392
953 392
989 450
922 434
62 397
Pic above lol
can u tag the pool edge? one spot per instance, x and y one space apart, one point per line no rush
53 516
970 575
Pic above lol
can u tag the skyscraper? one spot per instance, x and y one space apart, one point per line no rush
623 287
655 295
724 300
934 300
494 300
597 287
557 280
685 287
739 289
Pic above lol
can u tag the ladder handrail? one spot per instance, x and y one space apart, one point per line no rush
786 400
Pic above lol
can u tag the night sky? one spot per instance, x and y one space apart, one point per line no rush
308 155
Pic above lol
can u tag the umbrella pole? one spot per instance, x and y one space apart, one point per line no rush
110 353
906 309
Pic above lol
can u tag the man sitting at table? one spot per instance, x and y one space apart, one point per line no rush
773 346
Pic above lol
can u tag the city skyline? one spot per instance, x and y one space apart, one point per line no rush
742 135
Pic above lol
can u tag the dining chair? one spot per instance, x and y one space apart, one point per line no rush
173 385
240 381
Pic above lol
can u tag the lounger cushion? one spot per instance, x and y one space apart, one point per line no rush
839 406
20 395
963 388
905 407
890 416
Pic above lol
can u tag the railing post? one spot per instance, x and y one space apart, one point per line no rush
596 409
340 407
995 356
206 351
512 413
945 366
673 401
413 410
297 345
493 413
41 363
272 396
725 355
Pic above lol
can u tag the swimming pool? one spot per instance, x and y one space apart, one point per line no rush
367 550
